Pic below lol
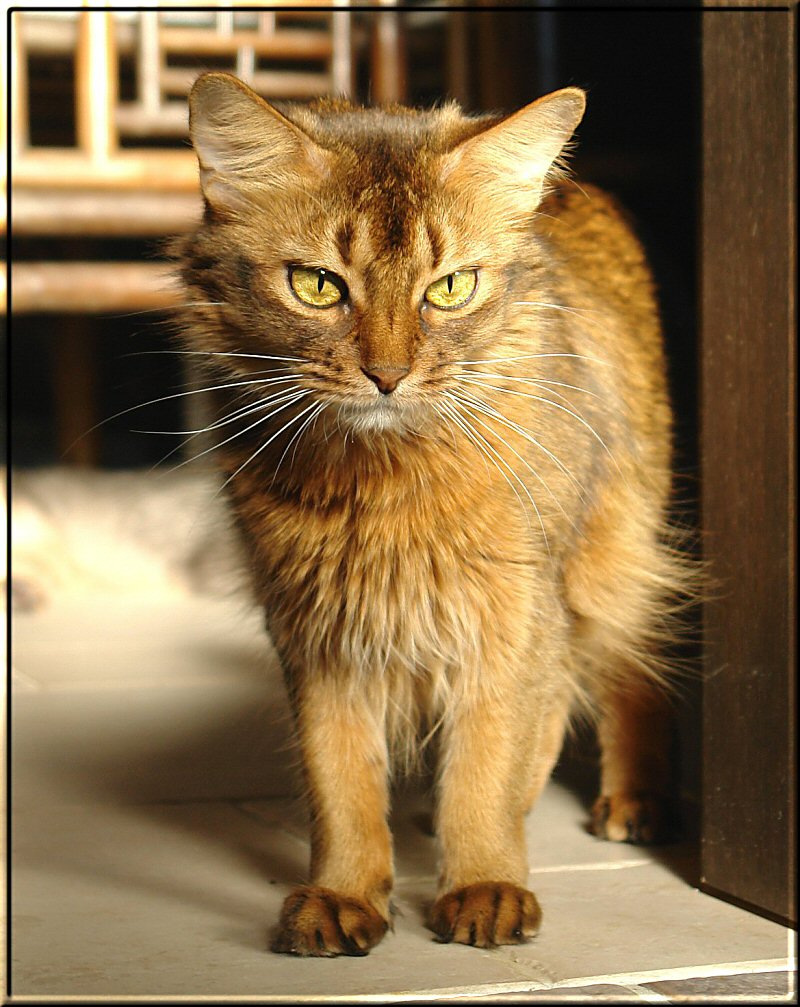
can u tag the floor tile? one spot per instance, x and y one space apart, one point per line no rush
557 835
179 900
175 899
107 642
155 834
751 987
637 924
168 742
602 993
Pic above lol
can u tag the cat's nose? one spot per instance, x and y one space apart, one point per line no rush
386 378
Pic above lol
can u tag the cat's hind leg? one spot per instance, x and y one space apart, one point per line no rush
622 585
635 728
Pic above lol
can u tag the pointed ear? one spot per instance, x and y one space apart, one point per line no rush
243 144
514 157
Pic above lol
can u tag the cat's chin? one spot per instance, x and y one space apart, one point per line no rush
371 419
381 417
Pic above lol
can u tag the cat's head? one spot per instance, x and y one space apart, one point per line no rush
371 249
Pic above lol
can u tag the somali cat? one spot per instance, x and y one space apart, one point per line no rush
446 439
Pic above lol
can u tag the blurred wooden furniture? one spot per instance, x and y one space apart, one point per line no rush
115 181
130 171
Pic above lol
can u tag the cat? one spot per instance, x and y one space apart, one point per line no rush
445 434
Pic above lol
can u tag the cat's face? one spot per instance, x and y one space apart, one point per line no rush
379 250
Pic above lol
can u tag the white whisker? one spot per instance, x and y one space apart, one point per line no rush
239 433
529 437
532 380
497 457
267 442
295 437
248 356
561 307
240 413
237 413
466 429
163 310
475 404
449 425
531 356
494 433
556 405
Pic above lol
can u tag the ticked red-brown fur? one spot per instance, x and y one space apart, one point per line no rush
481 549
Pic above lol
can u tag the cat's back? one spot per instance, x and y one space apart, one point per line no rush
600 270
597 249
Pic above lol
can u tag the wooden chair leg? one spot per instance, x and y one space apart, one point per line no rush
388 56
74 391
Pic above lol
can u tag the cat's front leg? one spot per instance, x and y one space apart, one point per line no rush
345 908
485 789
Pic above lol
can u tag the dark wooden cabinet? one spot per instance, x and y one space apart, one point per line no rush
748 416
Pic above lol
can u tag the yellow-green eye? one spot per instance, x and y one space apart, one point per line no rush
318 287
453 290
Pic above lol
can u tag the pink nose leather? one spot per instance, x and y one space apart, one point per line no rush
386 378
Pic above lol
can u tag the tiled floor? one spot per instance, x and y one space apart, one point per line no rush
154 839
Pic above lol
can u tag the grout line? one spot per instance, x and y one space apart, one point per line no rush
647 996
601 865
681 972
24 683
253 816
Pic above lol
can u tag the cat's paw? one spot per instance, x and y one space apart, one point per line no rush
320 922
639 817
485 915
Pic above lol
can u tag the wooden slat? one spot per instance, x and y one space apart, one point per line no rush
96 85
19 128
284 44
170 119
149 62
90 287
274 83
59 37
341 83
103 214
75 391
163 170
749 458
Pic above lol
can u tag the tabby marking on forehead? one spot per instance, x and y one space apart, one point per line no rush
344 239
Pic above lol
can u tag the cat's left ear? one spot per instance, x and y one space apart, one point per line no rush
512 158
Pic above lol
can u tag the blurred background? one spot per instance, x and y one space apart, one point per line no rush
102 172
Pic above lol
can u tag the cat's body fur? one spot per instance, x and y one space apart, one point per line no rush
476 552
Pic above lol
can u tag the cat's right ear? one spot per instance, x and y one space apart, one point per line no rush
514 158
243 144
